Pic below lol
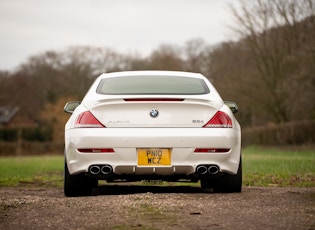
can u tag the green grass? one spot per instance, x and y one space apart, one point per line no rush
276 167
31 171
262 166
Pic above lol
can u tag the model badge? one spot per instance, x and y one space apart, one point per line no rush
154 113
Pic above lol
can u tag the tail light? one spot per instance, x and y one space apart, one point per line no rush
87 120
219 120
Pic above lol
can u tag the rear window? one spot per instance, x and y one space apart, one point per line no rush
152 85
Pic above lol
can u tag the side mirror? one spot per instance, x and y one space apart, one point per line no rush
232 106
71 106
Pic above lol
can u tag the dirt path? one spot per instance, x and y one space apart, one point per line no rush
153 207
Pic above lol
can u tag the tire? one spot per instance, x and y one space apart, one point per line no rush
226 183
230 183
77 185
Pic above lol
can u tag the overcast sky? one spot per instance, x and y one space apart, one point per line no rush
30 27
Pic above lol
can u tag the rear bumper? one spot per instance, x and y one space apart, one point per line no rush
125 141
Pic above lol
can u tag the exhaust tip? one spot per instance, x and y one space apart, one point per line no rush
201 169
106 169
94 170
213 169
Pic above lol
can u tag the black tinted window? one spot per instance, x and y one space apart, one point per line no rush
152 85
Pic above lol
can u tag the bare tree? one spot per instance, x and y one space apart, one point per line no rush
195 55
166 57
282 47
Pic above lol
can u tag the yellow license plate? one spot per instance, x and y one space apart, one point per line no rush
154 157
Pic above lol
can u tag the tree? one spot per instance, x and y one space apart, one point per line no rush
166 57
196 55
280 37
53 116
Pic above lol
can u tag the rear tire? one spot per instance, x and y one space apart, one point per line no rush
77 185
230 183
226 183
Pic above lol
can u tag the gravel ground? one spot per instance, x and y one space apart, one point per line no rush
154 207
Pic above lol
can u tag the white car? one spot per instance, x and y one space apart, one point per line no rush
152 125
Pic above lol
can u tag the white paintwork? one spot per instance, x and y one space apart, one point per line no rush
129 126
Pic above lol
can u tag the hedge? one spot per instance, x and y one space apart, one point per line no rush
293 133
30 148
27 134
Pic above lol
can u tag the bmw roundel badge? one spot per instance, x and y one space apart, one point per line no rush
154 113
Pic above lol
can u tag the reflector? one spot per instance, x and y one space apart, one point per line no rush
106 150
211 150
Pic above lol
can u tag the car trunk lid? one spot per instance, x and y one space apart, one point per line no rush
154 111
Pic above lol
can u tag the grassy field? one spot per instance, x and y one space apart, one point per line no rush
262 166
31 171
278 167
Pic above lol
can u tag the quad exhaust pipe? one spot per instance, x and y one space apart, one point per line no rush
100 169
94 170
204 169
106 169
213 169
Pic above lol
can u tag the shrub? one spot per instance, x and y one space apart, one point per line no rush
8 134
292 133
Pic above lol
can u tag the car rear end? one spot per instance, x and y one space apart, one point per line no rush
125 130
